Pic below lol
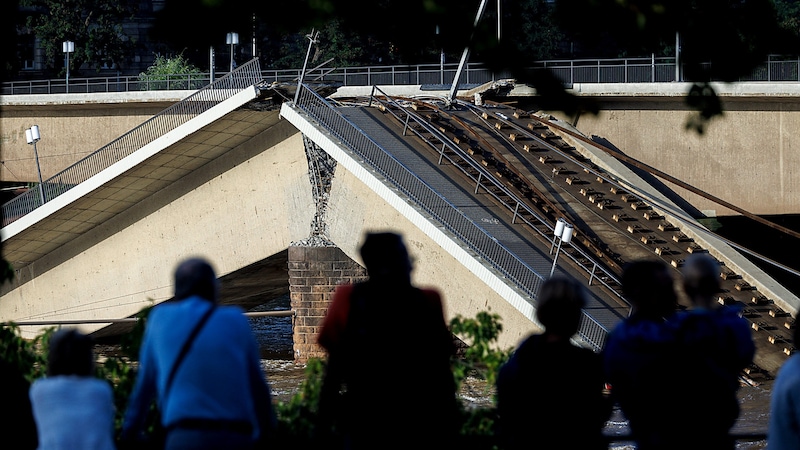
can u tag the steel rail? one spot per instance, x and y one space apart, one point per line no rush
653 171
590 330
31 323
487 176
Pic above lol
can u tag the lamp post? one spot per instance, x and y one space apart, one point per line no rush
563 232
211 60
232 39
68 47
312 39
32 136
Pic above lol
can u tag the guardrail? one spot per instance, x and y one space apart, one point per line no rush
656 70
59 323
422 74
619 70
245 76
477 239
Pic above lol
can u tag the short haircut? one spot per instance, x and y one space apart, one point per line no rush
559 305
195 276
650 287
701 275
70 353
385 254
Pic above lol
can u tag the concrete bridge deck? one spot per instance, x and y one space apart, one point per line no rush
91 256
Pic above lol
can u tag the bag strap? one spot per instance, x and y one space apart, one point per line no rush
185 348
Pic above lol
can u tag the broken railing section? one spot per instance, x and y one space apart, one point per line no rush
321 168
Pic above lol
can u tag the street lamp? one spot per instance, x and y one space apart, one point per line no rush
232 39
68 47
563 232
312 39
32 135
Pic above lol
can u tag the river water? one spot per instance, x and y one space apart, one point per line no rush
275 338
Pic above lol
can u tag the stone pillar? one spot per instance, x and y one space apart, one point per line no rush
314 273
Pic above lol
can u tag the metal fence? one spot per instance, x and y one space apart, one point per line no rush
246 75
430 74
621 70
656 70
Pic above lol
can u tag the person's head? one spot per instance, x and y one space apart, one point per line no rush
701 279
195 277
70 353
649 286
559 305
386 257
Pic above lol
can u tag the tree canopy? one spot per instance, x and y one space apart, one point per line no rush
95 26
721 40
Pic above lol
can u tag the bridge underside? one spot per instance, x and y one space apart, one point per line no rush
242 210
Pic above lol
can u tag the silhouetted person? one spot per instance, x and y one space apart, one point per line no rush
641 357
73 408
550 392
784 413
716 345
219 398
384 337
16 417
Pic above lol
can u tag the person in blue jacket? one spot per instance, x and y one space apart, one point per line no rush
675 374
716 345
641 355
219 398
784 412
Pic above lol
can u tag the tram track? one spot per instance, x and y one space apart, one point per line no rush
540 163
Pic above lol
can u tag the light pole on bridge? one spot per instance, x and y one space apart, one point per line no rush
232 39
32 136
562 232
68 47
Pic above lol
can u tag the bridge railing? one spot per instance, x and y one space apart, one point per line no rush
201 101
618 70
590 330
475 237
421 74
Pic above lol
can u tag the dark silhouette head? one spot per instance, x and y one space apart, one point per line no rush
559 305
70 353
701 279
195 277
649 286
386 257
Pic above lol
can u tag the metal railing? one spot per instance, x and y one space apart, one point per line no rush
67 322
475 237
619 70
590 330
407 182
93 85
656 70
201 101
422 74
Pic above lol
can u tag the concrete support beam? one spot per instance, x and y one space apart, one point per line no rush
314 273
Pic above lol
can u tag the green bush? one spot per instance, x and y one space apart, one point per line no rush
171 73
297 418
